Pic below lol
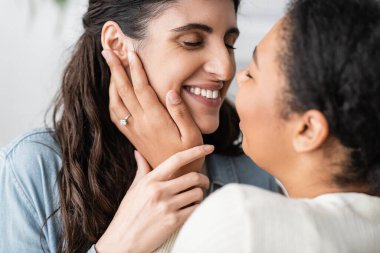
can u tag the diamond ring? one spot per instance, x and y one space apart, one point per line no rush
123 122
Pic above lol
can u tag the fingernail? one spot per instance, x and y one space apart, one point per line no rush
208 148
106 55
174 98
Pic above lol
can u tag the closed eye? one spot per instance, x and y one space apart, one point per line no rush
249 75
193 44
230 47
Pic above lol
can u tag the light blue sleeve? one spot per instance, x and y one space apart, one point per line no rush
26 201
29 195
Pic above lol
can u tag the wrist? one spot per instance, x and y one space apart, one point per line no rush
106 246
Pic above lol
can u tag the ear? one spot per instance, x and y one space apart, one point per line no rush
311 131
114 39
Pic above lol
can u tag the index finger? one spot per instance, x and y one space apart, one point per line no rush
122 83
174 163
144 92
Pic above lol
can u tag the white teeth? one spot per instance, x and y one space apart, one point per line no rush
215 94
210 94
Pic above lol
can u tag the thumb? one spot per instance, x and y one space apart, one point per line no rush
181 116
143 168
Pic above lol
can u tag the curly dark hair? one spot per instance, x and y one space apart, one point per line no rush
332 63
98 165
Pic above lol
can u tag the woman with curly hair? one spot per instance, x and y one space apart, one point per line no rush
310 115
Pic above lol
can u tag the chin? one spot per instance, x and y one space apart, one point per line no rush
208 126
245 148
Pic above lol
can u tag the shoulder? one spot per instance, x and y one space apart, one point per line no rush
38 141
28 188
33 159
240 169
29 166
31 155
244 199
41 137
339 222
241 218
227 218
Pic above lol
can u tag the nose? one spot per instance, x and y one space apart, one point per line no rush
221 63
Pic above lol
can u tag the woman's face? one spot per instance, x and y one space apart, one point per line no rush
189 49
259 102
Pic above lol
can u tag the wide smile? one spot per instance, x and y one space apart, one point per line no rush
210 96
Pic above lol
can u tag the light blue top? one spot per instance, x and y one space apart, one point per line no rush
29 192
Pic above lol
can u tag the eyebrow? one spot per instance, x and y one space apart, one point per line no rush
233 30
193 26
254 57
204 28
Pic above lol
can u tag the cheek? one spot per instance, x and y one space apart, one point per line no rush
169 72
244 103
239 102
255 120
245 108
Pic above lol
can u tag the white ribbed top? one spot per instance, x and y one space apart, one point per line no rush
245 219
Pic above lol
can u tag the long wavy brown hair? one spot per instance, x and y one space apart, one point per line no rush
98 163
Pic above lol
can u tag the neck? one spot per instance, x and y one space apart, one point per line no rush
309 179
308 189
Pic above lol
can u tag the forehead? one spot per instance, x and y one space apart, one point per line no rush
270 46
271 41
215 13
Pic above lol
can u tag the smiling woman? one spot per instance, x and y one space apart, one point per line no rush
188 51
79 185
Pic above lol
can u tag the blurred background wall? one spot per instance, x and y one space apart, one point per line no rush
36 39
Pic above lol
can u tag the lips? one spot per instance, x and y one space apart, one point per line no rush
208 95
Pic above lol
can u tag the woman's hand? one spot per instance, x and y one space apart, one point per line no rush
155 206
156 134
